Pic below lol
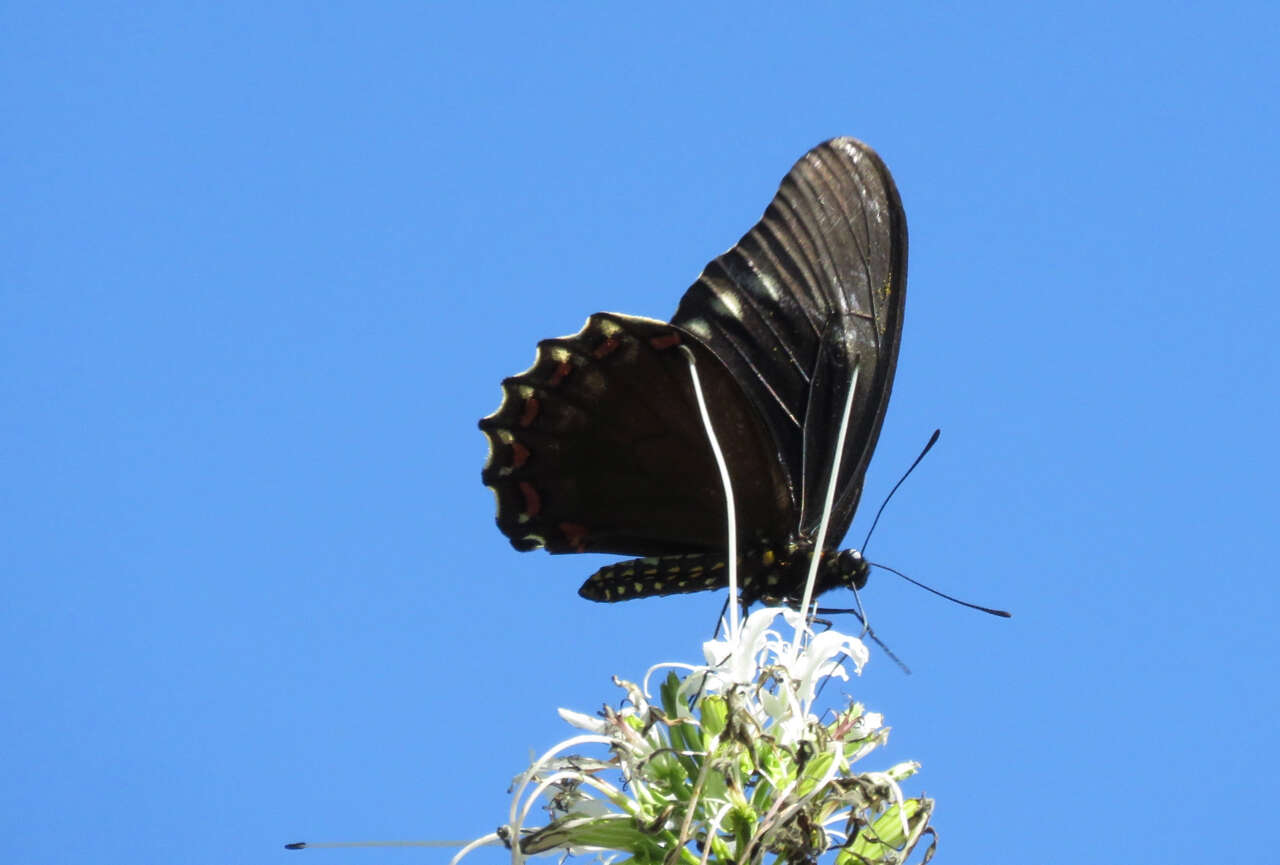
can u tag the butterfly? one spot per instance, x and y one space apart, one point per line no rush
600 446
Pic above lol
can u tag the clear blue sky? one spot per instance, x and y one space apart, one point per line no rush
264 266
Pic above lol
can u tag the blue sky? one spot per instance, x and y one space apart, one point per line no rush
265 266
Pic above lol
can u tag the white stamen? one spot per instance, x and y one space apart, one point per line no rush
832 483
730 512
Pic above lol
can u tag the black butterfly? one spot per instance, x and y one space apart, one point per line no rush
599 446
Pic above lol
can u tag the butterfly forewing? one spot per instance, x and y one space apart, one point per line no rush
827 262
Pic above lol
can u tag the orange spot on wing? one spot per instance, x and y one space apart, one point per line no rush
519 455
663 342
576 535
562 371
531 407
532 501
606 348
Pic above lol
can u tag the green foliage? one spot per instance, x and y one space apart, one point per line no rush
735 772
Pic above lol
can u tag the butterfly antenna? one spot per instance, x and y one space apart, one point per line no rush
874 638
885 648
724 611
933 440
316 845
1001 613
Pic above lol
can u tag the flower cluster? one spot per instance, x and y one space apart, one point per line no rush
729 766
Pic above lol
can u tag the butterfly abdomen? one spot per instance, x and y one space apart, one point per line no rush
655 576
772 576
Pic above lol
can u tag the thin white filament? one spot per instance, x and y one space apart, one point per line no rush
485 841
489 840
517 855
533 768
766 823
730 511
602 787
665 665
715 824
895 794
820 543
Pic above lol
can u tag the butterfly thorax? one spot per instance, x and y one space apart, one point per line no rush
767 573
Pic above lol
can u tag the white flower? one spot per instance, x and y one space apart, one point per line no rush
729 763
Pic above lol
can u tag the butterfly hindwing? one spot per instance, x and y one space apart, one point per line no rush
599 446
